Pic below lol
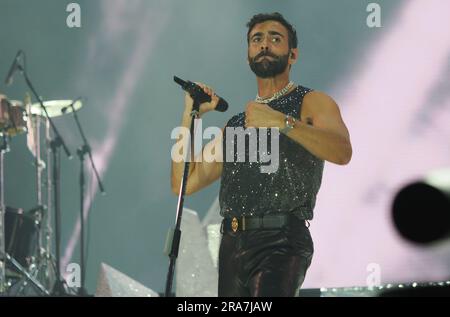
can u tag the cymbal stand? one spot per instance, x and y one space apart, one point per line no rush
42 219
56 144
4 147
49 260
35 134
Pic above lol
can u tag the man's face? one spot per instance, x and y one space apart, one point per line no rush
268 49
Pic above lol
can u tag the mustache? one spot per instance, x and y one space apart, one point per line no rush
265 53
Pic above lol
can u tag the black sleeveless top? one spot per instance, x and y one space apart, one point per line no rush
292 188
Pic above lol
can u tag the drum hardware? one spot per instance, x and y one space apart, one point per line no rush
18 230
37 210
55 144
7 122
24 254
3 148
25 263
28 277
40 213
13 117
21 232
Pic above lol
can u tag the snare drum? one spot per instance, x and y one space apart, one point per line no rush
21 236
13 117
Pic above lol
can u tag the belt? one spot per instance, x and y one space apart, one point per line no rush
245 223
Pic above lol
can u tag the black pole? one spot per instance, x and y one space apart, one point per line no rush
58 287
177 232
82 151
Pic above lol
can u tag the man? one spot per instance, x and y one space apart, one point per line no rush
266 247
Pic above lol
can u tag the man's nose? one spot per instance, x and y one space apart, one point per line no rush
264 44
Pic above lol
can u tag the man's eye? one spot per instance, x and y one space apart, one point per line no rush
256 39
276 40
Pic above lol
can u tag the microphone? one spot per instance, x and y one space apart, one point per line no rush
12 70
199 95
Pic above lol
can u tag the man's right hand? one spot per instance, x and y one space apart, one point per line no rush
204 107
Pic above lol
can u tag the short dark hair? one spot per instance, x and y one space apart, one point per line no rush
275 16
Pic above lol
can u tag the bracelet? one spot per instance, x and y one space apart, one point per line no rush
289 124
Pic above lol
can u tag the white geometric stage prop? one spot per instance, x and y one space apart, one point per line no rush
213 217
112 283
196 270
212 222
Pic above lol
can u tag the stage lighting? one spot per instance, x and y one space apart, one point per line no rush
421 210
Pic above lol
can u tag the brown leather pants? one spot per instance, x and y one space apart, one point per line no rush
265 262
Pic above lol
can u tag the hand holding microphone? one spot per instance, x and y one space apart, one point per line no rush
206 106
202 94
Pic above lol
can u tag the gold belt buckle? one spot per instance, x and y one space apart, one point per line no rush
234 224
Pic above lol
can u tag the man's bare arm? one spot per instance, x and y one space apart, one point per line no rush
321 131
201 173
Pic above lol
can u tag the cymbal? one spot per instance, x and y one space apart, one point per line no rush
55 108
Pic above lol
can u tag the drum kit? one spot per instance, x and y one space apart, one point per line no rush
27 265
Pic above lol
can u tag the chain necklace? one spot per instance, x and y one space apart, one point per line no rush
276 95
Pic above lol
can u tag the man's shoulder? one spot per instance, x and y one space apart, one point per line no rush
316 100
317 95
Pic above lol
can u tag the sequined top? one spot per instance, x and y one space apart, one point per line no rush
245 190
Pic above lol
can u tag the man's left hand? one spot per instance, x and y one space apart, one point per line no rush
261 115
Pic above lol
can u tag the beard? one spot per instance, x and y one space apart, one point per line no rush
266 68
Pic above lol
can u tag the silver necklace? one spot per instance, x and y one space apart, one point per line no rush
276 95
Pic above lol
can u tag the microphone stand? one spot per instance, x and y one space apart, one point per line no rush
82 151
174 247
55 144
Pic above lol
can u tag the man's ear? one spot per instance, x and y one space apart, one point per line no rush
293 56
